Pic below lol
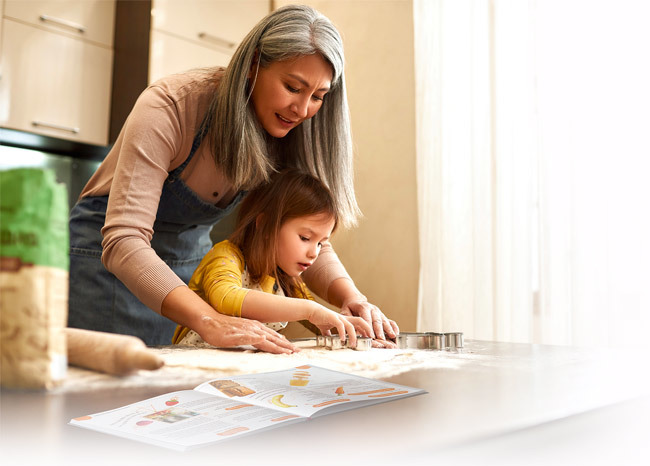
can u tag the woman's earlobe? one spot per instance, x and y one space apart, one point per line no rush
252 71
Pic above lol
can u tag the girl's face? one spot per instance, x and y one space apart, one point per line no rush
288 92
299 241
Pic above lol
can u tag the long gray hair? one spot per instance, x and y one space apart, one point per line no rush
320 146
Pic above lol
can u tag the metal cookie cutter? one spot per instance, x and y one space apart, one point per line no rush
438 341
454 340
333 342
413 340
430 340
363 344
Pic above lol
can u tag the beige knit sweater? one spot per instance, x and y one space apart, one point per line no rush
156 138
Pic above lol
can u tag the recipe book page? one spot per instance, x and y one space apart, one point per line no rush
233 406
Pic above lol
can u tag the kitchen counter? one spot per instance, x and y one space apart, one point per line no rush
491 403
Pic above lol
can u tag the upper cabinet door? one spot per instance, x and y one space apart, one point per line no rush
2 9
92 20
170 55
63 90
219 24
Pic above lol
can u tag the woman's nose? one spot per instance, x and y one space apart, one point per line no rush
301 107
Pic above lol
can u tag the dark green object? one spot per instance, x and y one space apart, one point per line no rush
34 218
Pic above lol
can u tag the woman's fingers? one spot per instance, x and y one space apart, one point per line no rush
272 347
277 342
394 327
381 326
363 310
235 331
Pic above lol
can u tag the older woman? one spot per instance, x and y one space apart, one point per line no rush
192 146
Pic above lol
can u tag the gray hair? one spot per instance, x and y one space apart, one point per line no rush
320 146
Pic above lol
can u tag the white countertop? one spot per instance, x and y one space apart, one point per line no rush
494 403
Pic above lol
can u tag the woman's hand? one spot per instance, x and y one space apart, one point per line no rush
345 295
224 331
381 325
347 327
186 308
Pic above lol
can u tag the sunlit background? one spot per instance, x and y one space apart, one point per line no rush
532 153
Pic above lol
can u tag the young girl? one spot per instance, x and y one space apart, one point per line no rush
256 273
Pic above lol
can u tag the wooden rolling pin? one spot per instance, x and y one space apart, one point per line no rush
109 352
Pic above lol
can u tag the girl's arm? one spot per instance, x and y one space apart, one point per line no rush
267 307
218 279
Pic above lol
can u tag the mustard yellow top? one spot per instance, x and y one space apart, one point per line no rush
221 281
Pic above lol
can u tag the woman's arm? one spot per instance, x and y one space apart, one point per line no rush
184 306
345 295
155 139
149 145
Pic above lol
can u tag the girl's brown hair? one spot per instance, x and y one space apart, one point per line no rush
289 194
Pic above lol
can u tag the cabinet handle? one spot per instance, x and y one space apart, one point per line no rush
63 22
69 129
218 40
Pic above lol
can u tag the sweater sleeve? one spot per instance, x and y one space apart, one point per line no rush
324 271
218 279
150 142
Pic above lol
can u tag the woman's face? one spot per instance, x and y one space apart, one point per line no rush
288 92
299 241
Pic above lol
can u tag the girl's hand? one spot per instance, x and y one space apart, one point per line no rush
381 325
325 319
224 331
361 326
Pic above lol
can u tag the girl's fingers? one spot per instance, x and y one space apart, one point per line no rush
352 334
361 326
340 327
378 323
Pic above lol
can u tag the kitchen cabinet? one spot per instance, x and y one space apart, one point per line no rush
56 63
91 20
2 8
198 33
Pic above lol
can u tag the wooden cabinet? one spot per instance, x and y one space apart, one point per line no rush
198 33
91 20
2 8
56 64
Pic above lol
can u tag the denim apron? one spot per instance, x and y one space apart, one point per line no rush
98 300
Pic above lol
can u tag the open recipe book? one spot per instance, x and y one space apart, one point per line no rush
233 406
